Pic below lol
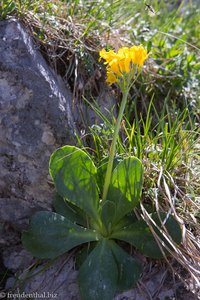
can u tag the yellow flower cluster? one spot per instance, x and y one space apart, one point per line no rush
122 61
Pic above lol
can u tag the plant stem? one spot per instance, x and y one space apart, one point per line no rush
113 145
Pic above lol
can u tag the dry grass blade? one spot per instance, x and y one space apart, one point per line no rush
188 254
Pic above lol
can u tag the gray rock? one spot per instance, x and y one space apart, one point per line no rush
52 280
16 212
35 119
17 258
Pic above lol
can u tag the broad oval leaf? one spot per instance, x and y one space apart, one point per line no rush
74 174
69 211
51 235
82 254
108 212
125 221
129 268
139 235
101 170
126 186
98 275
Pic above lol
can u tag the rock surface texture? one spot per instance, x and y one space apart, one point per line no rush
35 118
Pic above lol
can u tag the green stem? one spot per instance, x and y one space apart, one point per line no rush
113 145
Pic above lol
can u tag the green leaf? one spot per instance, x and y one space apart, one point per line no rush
83 253
129 269
101 170
108 213
98 275
6 9
74 174
51 235
139 235
69 211
125 221
126 186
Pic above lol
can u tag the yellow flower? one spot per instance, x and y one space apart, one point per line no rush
123 61
111 78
